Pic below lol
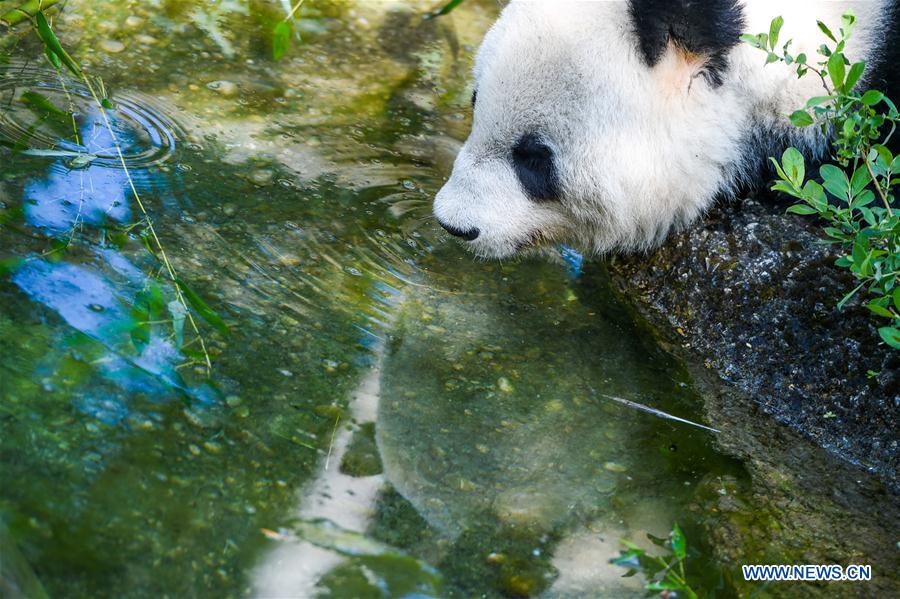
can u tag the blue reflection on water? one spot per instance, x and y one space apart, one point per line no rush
573 259
97 299
93 305
93 196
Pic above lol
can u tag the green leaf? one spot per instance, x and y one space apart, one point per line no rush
778 169
883 154
202 308
772 57
853 76
896 297
801 209
866 197
837 70
872 97
801 118
445 9
679 543
826 31
859 181
107 104
895 164
846 298
281 39
819 100
774 29
835 181
836 233
860 250
628 559
848 20
52 43
793 165
879 310
891 336
53 58
40 104
787 188
814 194
751 39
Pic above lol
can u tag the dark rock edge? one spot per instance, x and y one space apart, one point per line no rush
750 294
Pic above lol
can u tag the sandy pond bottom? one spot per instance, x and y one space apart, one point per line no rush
384 415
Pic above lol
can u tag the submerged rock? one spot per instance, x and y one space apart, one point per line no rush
753 296
112 46
362 457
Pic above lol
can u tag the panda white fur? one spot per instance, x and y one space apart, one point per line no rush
608 124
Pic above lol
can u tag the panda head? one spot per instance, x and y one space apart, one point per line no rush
598 124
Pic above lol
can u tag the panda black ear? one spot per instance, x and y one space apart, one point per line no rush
707 28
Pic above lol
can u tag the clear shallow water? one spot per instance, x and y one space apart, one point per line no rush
458 405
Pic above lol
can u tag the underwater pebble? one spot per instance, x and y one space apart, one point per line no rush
520 585
226 88
107 26
554 406
133 22
262 177
112 46
504 385
614 467
466 485
147 40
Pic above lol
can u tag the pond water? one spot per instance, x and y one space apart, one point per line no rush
334 399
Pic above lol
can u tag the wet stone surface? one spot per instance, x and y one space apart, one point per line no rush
752 295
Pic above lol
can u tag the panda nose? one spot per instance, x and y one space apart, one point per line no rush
467 234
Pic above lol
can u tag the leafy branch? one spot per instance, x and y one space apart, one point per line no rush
59 58
863 173
665 573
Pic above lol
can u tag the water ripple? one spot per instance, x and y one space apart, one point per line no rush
38 110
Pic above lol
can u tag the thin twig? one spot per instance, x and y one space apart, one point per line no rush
331 445
294 10
655 412
170 270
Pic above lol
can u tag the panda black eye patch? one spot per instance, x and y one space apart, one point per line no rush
533 163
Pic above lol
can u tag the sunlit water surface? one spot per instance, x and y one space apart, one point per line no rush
383 415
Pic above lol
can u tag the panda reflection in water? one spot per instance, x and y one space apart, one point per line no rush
606 125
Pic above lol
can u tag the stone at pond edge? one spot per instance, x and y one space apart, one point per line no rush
755 294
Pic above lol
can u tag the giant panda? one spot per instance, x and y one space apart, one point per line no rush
608 124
